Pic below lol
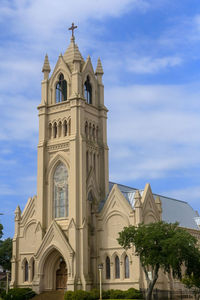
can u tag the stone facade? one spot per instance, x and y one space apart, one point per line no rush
72 224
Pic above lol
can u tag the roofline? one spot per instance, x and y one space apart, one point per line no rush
153 193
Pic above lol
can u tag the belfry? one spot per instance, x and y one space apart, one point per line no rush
71 225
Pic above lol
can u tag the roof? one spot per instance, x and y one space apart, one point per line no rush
72 54
173 210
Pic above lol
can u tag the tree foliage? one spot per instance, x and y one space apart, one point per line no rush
1 231
6 253
162 246
193 283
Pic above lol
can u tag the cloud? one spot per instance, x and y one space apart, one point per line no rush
144 65
43 17
152 130
19 119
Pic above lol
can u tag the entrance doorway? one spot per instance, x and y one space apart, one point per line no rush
61 276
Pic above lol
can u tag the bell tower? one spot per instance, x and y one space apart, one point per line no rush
72 153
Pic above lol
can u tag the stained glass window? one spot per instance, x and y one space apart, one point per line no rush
126 265
117 267
107 267
60 180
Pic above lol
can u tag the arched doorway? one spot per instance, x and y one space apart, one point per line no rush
61 276
54 272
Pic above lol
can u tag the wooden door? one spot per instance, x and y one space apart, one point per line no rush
61 276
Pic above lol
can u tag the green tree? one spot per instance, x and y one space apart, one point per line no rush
192 283
6 253
1 230
162 246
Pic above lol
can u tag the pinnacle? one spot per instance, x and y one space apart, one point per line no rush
46 66
137 195
17 210
99 68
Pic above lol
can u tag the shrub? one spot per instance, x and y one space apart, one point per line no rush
117 294
78 295
106 294
2 293
109 294
133 294
20 294
94 294
69 295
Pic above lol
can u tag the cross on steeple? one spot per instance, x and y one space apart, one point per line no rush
72 29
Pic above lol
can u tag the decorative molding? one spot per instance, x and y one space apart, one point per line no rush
62 106
52 148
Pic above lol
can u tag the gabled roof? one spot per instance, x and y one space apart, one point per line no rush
173 210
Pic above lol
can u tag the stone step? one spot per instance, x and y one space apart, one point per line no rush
54 295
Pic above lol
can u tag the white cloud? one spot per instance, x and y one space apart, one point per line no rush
152 65
158 127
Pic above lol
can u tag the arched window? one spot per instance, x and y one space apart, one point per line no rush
65 128
117 267
61 89
50 131
88 90
107 267
54 130
33 269
25 270
59 129
60 183
126 267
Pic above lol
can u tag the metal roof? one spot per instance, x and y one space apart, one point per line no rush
172 210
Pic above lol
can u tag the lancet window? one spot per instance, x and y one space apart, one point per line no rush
25 270
126 267
88 90
61 89
60 186
107 267
33 269
117 267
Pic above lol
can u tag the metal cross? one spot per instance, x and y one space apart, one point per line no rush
72 29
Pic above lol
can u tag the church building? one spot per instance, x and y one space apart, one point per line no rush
71 226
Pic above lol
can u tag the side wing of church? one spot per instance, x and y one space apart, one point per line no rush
72 224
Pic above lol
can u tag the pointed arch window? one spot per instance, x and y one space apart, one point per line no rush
33 269
117 267
126 267
88 90
60 183
25 270
61 89
107 267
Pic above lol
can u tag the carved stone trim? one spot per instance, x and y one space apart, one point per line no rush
52 148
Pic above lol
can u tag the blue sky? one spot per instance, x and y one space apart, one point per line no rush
150 51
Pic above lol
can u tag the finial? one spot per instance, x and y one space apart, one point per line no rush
72 28
99 69
46 66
